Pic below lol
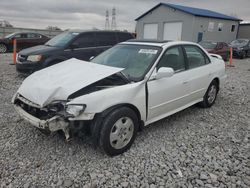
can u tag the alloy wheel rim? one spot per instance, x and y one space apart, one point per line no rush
121 132
2 48
212 94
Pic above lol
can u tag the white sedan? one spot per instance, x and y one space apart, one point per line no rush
127 87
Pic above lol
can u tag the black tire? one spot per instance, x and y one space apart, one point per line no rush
120 116
3 48
227 57
243 56
207 100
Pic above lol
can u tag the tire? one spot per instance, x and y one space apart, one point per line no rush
3 48
210 95
118 131
227 57
243 55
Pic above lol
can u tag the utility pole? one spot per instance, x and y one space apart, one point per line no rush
113 23
107 21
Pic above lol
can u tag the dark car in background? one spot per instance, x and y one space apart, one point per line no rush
220 48
241 48
70 44
24 40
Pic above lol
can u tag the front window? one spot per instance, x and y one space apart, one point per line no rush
10 35
173 58
208 45
135 59
62 39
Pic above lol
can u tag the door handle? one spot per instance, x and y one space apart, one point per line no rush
185 82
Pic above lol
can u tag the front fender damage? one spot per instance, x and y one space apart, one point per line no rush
53 124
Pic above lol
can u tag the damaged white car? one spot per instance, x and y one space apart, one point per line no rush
122 90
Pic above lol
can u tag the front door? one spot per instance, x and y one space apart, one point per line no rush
168 94
83 48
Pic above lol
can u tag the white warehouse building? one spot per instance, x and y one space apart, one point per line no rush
175 22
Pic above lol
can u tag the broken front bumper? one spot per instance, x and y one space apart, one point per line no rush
53 124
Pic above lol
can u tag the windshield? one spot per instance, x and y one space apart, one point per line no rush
135 59
208 45
10 35
241 42
62 39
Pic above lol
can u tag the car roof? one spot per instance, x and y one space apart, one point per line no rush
159 43
83 31
27 33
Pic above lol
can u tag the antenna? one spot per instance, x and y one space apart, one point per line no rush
113 23
107 20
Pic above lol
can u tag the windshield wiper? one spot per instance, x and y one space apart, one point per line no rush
125 76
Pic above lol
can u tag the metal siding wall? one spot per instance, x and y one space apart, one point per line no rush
201 25
8 30
162 15
244 31
191 25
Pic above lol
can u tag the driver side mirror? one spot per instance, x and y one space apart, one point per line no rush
164 72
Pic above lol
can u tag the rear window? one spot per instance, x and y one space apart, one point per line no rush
124 36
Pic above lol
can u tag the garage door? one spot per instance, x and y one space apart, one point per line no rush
172 31
150 31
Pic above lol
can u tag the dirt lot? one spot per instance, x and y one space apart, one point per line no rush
194 148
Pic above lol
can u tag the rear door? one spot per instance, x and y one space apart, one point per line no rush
200 70
33 39
220 49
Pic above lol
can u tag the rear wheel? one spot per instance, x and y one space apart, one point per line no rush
118 131
227 57
211 94
243 55
3 48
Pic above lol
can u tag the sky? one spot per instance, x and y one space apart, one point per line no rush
88 14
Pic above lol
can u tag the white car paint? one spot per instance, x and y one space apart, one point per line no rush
165 96
59 81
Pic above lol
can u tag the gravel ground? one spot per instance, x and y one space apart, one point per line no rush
193 148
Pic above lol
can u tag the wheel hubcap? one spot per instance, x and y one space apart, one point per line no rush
121 132
2 48
212 94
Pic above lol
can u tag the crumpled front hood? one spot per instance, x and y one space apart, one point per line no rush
59 81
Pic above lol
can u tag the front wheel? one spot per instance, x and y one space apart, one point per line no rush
210 96
3 48
118 131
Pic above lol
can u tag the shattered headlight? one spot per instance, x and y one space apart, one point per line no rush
75 109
